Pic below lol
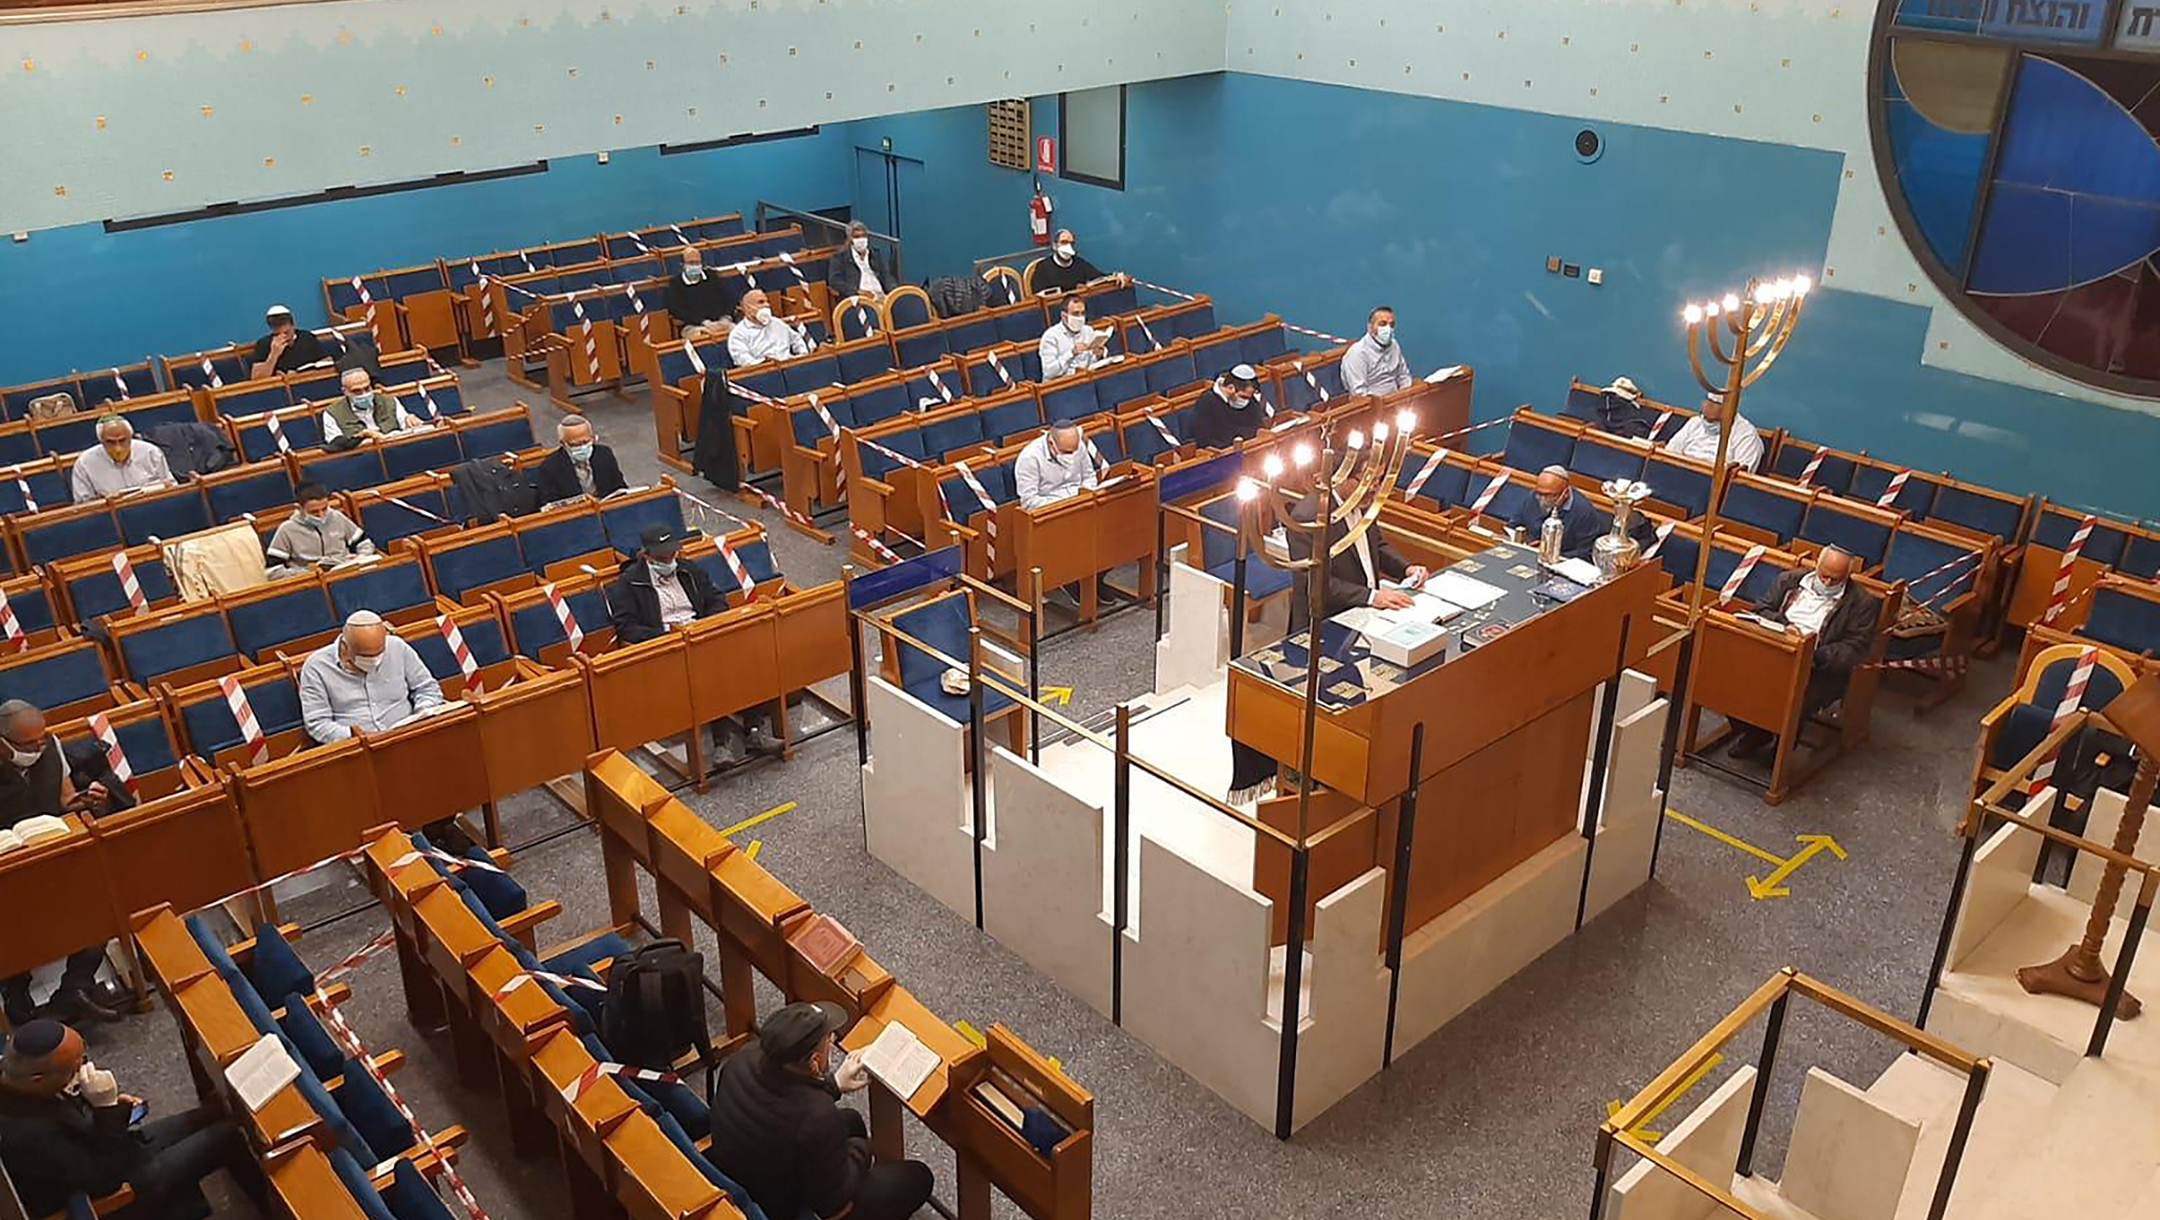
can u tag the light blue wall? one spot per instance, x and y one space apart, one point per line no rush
79 297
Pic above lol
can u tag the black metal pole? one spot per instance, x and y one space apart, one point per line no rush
1237 603
1675 711
1121 866
1941 960
856 682
1162 571
1600 760
1975 1087
1034 677
1600 1166
1772 1032
975 749
1293 982
2139 914
1399 891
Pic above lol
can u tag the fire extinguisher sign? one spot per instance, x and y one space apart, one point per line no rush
1045 154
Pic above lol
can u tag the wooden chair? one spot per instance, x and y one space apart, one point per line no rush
2025 716
907 307
942 623
1008 286
1945 596
2041 564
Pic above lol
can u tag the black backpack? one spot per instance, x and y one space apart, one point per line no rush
655 1008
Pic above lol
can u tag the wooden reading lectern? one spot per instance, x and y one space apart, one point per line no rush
1507 729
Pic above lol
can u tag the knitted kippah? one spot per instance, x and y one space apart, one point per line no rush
37 1039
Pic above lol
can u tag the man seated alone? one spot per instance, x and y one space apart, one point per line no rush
580 465
35 782
696 297
1071 345
65 1127
1620 411
285 348
1223 415
1357 577
1826 604
657 592
362 410
1556 497
858 270
1065 270
366 679
1374 364
317 535
1698 438
119 463
760 335
779 1130
1053 466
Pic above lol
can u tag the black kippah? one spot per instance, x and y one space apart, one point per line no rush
37 1039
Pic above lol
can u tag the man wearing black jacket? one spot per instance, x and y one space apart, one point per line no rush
1826 604
656 591
580 465
779 1130
65 1127
1228 411
1354 578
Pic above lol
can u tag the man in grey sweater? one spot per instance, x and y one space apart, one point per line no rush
317 535
1374 364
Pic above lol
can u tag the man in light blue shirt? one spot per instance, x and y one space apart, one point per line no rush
1053 466
1374 365
366 679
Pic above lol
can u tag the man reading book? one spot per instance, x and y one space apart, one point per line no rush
778 1127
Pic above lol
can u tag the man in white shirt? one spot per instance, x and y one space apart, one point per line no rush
859 270
1698 438
760 336
366 679
117 463
1374 364
1070 345
1826 604
1053 466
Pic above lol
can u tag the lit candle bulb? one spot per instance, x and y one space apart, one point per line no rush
1800 285
1272 466
1731 302
1710 310
1693 314
1356 439
1765 293
1380 433
1302 455
1405 419
1247 489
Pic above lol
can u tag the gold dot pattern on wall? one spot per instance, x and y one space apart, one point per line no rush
206 111
456 140
487 82
29 65
539 129
168 176
436 30
59 190
101 122
367 150
142 57
573 73
344 37
693 112
307 99
401 91
618 120
269 162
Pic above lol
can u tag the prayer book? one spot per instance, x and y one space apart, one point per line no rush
260 1071
900 1060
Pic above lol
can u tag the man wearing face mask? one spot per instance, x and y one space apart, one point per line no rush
65 1127
696 297
1826 604
1065 270
1053 466
317 535
1071 345
858 270
1579 526
34 781
580 465
366 679
362 410
120 463
1227 412
1374 364
762 336
656 591
1698 437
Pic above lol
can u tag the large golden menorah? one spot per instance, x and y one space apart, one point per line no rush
1331 499
1759 320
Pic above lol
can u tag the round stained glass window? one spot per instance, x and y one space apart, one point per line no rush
2019 144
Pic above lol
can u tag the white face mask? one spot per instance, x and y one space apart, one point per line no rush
861 244
1065 251
1384 333
693 273
1075 324
763 316
366 665
22 760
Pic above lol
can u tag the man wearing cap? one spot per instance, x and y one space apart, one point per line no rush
1698 438
1071 345
368 679
779 1130
1620 411
1223 415
1579 525
65 1127
118 463
35 782
655 591
1374 364
285 348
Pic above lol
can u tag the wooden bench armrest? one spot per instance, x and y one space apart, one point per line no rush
330 997
387 1062
523 924
445 1152
105 1205
561 947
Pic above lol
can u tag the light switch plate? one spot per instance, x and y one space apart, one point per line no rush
1597 275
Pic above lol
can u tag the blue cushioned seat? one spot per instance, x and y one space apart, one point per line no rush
33 609
213 948
875 404
175 645
1981 513
970 333
736 1194
1069 399
67 677
915 348
960 431
491 437
262 625
535 626
2104 546
48 487
907 442
461 569
208 720
1444 486
348 471
1011 417
1832 524
302 430
2124 620
354 1176
500 893
411 1197
1918 559
433 449
163 515
305 1031
381 1127
1172 372
860 362
483 638
1218 555
386 588
1212 356
625 521
2029 723
342 1132
1915 499
1118 385
1262 344
273 966
266 486
46 539
1683 487
1023 325
563 538
605 947
816 371
1765 510
1835 474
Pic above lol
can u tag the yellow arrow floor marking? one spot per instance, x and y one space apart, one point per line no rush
1726 839
752 850
766 816
1773 886
1057 694
1642 1129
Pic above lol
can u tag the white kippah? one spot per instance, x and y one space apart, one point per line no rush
364 618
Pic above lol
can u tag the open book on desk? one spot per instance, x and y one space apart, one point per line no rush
900 1060
433 709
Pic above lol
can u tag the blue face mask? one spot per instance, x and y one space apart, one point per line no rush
363 400
580 454
1383 334
662 568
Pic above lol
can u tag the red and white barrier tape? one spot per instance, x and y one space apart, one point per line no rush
1163 430
637 306
1658 543
356 959
125 570
537 976
998 366
1172 292
2066 707
1154 343
1890 493
210 371
1321 335
410 507
1425 472
592 345
1807 473
277 431
119 382
778 505
10 625
735 566
1740 574
1485 497
454 863
714 509
243 714
1462 432
982 496
349 1042
1320 391
2060 598
1949 665
487 301
591 1076
571 631
29 497
1924 577
455 639
115 757
366 300
1657 430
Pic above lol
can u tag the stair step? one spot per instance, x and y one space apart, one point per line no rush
2092 1153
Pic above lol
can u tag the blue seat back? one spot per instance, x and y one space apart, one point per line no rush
16 402
1982 513
1532 445
1193 321
535 626
909 310
48 487
1022 325
859 321
1216 546
1444 486
625 521
1835 473
267 486
1605 462
2141 557
380 1125
49 539
1724 561
33 608
69 676
459 569
1106 302
879 402
1143 443
1118 385
163 514
943 625
435 449
386 588
209 724
1262 344
961 430
385 522
813 372
560 539
145 741
97 592
1916 558
913 349
1071 399
878 465
1170 372
483 639
1020 413
1764 509
1683 487
2056 525
1915 499
348 471
1831 523
1212 356
971 333
261 625
2124 620
303 431
512 434
864 362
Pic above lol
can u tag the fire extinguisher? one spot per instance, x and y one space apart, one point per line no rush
1039 216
